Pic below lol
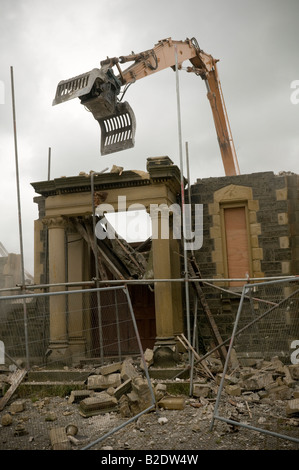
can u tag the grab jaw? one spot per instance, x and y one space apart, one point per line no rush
97 91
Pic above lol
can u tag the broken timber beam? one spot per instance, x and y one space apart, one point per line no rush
183 340
195 273
103 259
16 379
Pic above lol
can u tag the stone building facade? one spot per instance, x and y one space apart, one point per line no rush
63 255
269 205
251 229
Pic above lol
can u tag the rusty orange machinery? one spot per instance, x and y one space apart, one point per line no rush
101 91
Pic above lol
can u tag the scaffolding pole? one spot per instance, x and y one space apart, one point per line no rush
183 201
92 175
19 212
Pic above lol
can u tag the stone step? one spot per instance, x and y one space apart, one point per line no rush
53 382
168 372
58 375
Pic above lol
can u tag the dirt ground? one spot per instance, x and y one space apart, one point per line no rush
188 429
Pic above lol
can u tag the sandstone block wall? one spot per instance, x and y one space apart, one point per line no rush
272 204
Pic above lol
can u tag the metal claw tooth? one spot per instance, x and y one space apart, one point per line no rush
118 130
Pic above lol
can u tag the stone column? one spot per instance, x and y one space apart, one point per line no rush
58 345
165 349
75 301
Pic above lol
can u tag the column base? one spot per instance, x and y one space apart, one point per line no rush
165 352
58 353
77 347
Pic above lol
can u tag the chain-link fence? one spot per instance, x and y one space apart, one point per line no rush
265 334
97 324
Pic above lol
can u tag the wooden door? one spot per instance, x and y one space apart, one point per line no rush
237 248
143 303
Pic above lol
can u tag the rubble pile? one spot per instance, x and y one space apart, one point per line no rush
122 387
114 387
266 381
120 390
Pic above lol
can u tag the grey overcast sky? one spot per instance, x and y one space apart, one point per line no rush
256 41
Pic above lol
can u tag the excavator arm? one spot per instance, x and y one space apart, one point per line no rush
98 91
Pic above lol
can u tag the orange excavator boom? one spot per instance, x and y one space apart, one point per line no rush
98 91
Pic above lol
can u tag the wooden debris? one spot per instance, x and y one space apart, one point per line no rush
16 379
115 254
249 412
183 340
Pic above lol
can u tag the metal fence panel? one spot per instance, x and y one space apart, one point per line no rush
100 319
268 329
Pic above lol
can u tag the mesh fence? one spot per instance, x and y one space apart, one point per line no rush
100 325
265 334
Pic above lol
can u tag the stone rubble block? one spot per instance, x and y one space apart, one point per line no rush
78 395
124 407
228 379
134 403
6 419
124 388
278 365
294 371
288 379
100 403
148 357
102 382
172 403
258 381
141 391
141 387
247 372
110 391
160 391
128 370
110 368
251 396
201 390
281 392
292 407
59 439
233 390
17 406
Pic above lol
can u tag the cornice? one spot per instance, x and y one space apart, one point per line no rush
168 174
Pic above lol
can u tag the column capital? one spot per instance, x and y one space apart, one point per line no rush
55 222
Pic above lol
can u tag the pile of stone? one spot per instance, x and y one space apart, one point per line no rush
114 387
263 381
121 387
